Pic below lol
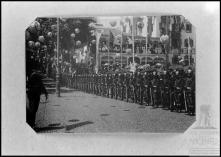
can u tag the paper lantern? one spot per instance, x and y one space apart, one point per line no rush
92 32
66 27
78 43
37 44
72 35
140 24
53 27
113 23
91 25
189 71
77 30
158 64
41 38
49 34
55 50
164 38
63 19
36 25
31 44
27 35
44 47
78 22
93 41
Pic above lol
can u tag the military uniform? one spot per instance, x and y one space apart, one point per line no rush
189 94
156 90
165 87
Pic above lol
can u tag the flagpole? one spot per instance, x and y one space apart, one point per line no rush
133 36
58 64
146 32
146 37
189 49
108 50
121 47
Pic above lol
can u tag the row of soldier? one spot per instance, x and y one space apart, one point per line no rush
173 90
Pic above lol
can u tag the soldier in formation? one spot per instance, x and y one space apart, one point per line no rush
172 89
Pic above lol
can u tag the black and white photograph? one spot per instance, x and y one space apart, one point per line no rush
110 78
110 74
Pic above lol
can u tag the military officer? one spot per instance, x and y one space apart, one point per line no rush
155 89
189 92
165 90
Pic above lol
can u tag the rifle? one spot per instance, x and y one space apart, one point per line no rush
151 98
184 93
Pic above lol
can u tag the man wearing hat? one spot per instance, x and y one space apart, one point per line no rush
35 88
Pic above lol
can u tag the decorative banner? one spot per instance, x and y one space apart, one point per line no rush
156 29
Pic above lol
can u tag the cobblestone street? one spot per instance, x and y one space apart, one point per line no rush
79 112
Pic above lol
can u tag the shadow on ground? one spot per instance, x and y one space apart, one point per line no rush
55 127
73 126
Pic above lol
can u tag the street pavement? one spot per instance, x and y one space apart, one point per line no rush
79 112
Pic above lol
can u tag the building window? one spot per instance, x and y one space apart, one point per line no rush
188 28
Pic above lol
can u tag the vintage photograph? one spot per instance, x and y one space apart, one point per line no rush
106 74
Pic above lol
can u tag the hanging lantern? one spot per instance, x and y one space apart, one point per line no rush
92 33
158 64
31 44
37 44
77 30
113 23
27 35
91 25
53 27
44 47
66 28
49 34
78 22
140 24
55 50
78 43
36 24
164 39
34 27
93 41
63 19
41 38
72 35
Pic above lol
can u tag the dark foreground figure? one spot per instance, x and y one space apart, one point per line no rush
35 88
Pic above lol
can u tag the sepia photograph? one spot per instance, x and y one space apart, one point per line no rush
110 78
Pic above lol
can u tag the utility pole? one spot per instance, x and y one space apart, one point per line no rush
58 63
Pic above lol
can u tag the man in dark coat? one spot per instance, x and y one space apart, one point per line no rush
35 88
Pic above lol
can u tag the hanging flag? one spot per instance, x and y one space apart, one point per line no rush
171 22
156 29
142 26
149 25
116 36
